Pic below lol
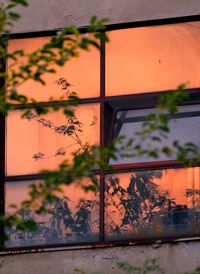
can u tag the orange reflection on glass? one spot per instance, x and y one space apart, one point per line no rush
151 59
39 143
73 217
153 203
82 72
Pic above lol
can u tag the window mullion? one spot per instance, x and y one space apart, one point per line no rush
102 135
2 148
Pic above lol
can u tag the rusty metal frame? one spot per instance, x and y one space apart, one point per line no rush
107 113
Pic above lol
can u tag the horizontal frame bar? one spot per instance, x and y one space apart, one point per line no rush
57 103
30 177
156 165
131 120
152 98
148 100
92 245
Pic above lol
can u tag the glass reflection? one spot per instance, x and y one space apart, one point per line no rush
153 204
82 72
129 123
154 58
43 142
72 217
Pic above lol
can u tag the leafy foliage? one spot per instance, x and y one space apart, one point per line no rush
58 51
156 130
150 266
72 128
144 209
58 223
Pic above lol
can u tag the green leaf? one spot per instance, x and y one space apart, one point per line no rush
93 20
69 112
30 225
13 206
78 270
20 2
41 110
14 15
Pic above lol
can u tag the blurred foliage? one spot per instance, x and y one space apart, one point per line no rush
59 223
149 266
61 48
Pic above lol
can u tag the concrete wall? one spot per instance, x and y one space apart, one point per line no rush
174 259
53 14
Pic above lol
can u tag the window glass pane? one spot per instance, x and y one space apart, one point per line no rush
44 142
82 72
153 203
182 128
73 217
154 58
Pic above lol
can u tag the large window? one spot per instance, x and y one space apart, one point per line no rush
142 199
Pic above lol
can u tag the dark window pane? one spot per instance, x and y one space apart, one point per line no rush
152 58
82 72
35 144
155 203
184 127
72 218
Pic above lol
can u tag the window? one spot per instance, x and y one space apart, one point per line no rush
141 199
152 204
37 143
182 124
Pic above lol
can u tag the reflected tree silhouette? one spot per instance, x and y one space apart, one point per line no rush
143 206
63 219
139 207
60 222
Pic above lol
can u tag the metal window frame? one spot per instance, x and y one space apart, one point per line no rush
146 101
106 111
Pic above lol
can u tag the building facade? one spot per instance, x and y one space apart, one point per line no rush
153 48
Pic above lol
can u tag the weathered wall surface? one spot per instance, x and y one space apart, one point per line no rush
174 259
53 14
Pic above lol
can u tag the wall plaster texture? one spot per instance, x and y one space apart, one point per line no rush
54 14
173 258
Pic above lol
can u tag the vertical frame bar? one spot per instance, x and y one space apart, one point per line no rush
2 141
102 141
102 69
